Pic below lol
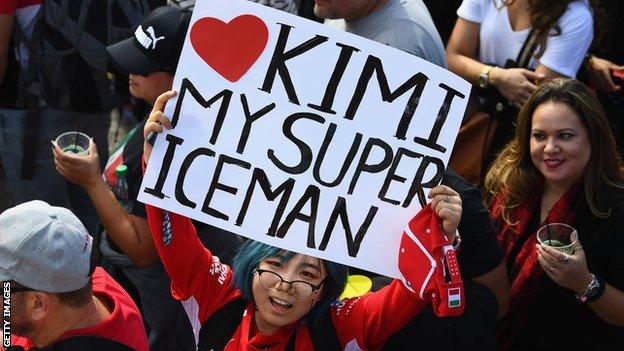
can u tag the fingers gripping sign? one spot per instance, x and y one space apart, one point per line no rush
156 121
429 264
447 204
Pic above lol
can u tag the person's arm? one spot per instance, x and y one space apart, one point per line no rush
515 84
6 25
130 233
496 280
195 273
572 273
599 72
371 319
480 256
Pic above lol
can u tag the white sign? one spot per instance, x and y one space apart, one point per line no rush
314 140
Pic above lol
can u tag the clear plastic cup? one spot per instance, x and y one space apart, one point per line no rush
74 143
559 236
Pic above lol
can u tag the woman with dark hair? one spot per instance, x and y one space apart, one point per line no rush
286 300
561 167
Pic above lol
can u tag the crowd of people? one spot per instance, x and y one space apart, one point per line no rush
87 265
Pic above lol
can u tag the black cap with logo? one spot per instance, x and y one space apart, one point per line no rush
156 45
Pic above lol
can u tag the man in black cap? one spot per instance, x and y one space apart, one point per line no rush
150 58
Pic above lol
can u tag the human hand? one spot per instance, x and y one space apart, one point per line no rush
599 71
515 84
83 170
447 205
156 121
568 271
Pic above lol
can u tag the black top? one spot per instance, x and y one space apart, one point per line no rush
479 254
556 321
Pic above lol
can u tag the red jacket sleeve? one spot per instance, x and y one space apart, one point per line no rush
369 320
193 270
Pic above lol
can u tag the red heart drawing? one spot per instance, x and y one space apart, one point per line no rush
230 48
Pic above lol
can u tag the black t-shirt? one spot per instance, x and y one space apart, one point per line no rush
479 254
556 321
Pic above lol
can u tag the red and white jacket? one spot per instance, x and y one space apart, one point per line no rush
205 285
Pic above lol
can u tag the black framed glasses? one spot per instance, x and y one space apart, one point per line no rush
300 289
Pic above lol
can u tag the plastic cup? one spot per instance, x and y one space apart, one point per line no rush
559 236
76 143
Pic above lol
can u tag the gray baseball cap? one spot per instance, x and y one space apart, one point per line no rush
44 247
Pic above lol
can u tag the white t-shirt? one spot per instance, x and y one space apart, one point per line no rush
498 42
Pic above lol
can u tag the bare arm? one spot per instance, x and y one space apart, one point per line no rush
515 84
130 233
6 25
599 71
572 273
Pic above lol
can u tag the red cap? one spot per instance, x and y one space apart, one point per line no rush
429 265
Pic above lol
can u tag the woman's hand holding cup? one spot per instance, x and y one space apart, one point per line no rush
566 270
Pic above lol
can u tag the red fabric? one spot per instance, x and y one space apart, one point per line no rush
207 285
8 7
525 273
429 265
124 324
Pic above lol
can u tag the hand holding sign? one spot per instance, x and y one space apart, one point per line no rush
302 137
155 122
429 265
447 205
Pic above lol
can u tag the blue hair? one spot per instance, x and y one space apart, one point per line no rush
252 252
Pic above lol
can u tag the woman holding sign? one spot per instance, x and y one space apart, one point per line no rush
274 299
561 167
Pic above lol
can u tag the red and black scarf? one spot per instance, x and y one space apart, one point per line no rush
525 274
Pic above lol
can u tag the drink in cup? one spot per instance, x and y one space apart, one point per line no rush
74 143
559 236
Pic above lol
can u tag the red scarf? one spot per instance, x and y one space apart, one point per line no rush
525 274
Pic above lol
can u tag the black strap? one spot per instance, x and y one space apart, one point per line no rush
217 331
527 50
323 333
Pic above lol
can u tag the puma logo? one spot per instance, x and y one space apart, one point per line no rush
148 40
150 31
